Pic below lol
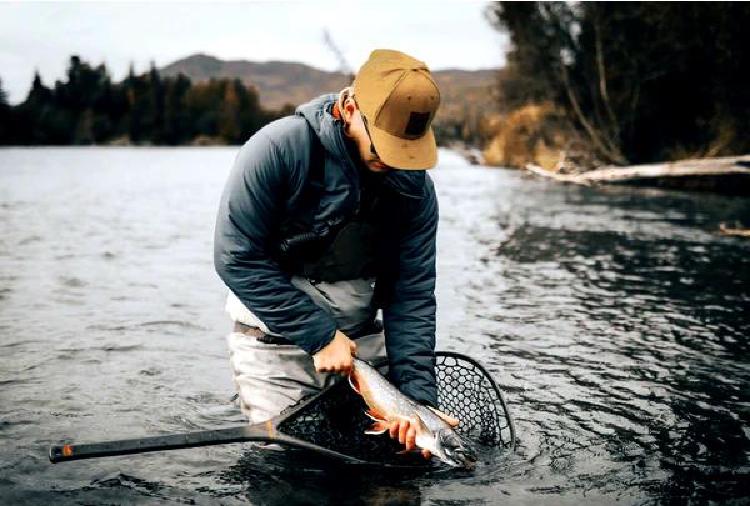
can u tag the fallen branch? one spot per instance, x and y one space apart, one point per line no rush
740 232
684 168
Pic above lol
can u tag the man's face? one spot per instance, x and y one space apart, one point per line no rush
371 159
359 133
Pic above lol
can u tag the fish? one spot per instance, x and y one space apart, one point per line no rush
387 404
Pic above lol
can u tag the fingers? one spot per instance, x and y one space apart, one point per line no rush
340 368
393 430
402 430
336 356
411 438
426 454
405 432
337 366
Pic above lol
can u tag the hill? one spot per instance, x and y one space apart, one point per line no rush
278 82
467 95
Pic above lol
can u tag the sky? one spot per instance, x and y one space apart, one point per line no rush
43 36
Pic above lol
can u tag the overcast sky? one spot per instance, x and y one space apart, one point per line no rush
43 36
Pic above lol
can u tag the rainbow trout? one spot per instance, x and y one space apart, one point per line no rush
387 404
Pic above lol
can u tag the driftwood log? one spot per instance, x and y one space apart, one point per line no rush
724 175
739 232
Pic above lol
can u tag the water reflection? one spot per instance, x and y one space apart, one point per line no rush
286 477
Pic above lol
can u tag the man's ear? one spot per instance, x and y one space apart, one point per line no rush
349 108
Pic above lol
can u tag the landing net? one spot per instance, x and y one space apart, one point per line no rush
336 420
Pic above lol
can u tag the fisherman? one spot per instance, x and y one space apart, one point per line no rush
327 217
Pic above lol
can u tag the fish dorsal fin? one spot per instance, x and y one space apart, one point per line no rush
453 422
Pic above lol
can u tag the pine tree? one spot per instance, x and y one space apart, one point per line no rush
177 127
5 117
229 116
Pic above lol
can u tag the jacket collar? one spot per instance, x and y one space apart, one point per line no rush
325 119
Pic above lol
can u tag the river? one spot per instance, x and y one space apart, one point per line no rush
616 320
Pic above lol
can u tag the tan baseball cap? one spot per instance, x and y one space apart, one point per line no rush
398 98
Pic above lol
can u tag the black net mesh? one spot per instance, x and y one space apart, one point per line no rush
336 419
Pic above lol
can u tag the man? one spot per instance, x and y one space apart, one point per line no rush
328 216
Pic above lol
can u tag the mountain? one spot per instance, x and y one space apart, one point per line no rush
467 95
278 82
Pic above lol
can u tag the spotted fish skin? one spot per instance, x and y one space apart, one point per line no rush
387 404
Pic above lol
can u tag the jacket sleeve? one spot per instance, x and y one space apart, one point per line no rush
409 313
249 214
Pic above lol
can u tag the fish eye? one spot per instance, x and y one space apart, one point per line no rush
454 446
450 440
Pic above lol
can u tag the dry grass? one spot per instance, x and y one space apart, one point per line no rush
534 133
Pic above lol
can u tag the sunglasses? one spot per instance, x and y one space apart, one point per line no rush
367 129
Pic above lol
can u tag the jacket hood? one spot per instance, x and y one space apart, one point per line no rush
325 125
330 131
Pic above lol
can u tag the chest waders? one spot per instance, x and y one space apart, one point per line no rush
350 254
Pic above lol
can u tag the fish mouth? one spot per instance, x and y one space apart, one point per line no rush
455 451
464 460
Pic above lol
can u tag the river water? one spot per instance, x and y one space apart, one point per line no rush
616 321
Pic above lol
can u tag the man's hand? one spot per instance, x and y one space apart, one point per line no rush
336 356
405 431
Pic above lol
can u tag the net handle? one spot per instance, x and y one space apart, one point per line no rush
265 431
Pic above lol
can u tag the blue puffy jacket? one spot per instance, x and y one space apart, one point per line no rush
266 190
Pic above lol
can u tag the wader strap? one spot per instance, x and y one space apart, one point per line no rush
317 162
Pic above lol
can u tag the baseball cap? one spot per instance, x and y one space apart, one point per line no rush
399 98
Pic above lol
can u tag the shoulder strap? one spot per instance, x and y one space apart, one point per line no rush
316 174
317 157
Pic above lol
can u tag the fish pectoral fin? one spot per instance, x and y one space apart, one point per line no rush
352 383
379 427
374 416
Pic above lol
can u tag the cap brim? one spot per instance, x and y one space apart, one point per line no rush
418 154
